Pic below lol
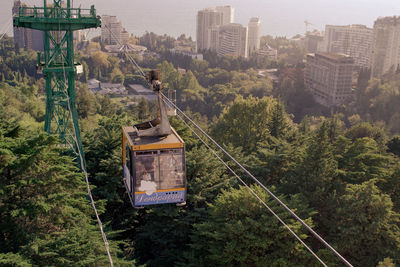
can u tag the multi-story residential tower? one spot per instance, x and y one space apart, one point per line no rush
232 40
227 13
328 77
112 31
24 37
313 41
254 28
386 45
206 20
353 40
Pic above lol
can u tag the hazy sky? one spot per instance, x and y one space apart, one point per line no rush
278 17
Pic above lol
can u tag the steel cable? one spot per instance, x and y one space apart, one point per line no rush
254 193
83 168
315 234
7 27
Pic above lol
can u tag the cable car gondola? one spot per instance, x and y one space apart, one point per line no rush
154 158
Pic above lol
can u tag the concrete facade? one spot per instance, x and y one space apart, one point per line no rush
24 37
386 45
328 77
233 40
227 14
206 20
254 32
353 40
112 32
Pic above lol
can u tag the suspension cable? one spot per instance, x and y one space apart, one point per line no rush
126 53
83 168
315 234
252 191
7 28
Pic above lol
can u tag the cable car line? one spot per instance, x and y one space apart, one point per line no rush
83 168
126 53
315 234
7 26
252 191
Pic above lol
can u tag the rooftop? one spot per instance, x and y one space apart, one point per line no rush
125 47
334 56
394 20
140 89
144 143
352 26
255 20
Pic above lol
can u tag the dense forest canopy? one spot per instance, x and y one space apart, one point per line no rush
338 169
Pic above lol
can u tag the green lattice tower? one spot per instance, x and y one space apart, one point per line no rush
57 63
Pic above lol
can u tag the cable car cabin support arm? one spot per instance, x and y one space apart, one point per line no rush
160 125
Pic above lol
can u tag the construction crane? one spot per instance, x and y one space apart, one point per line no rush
307 23
58 21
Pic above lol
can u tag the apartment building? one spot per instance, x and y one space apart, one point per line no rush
227 13
232 40
207 19
112 32
353 40
254 32
328 76
24 37
386 45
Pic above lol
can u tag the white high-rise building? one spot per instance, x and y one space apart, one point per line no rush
232 40
227 13
386 45
206 20
254 29
112 31
353 40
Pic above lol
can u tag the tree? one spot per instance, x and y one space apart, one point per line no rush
245 123
169 75
316 178
143 108
367 130
189 81
387 262
100 63
279 126
43 210
106 107
103 153
241 232
85 74
361 160
117 76
135 79
85 102
367 229
274 161
391 186
93 47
